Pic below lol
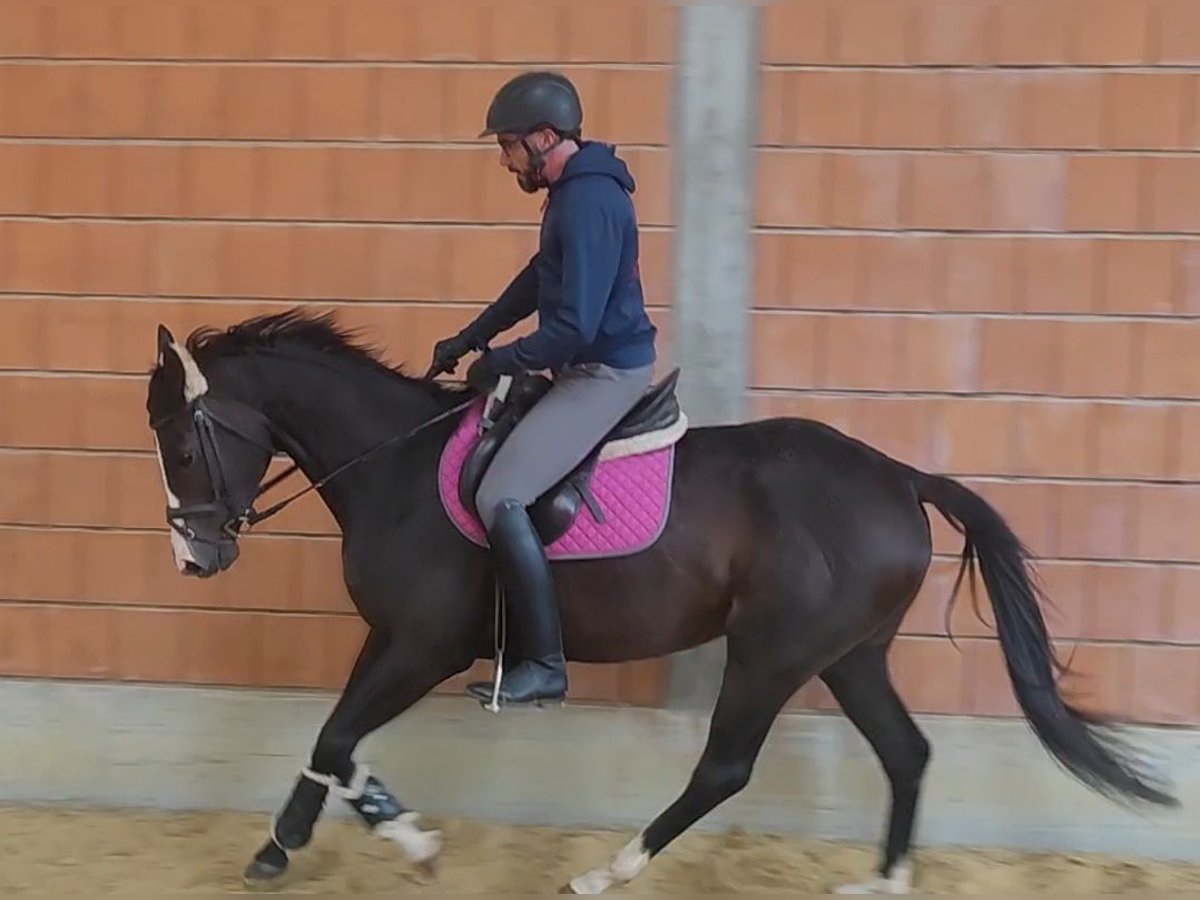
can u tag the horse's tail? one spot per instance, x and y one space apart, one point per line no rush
1083 743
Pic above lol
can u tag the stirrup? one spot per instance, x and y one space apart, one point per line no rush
493 701
493 705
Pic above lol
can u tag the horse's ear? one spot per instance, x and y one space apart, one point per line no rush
165 340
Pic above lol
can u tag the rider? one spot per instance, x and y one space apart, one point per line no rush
593 335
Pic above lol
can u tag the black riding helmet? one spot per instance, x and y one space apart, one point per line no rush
535 100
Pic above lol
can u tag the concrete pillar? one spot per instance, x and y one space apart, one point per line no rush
714 132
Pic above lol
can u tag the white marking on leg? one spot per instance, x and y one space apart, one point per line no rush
194 383
179 545
625 866
419 846
899 881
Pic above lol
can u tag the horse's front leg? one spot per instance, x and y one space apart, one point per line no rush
389 676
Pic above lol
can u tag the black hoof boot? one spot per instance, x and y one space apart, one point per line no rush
291 829
268 864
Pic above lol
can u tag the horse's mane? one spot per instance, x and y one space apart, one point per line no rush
298 329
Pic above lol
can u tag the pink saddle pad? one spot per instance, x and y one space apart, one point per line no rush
634 493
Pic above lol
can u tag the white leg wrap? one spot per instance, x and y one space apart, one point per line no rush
417 845
625 866
898 882
358 781
330 781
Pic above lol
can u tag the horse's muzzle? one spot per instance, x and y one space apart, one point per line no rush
210 559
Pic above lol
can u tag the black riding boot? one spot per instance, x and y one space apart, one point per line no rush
531 612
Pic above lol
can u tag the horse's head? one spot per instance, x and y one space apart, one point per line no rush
213 452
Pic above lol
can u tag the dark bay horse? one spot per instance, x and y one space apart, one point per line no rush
801 545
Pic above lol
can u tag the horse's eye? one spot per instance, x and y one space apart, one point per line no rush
186 459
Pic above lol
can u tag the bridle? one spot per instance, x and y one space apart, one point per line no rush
255 428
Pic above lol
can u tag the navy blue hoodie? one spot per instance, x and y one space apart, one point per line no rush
584 281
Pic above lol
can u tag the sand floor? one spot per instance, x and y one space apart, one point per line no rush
49 850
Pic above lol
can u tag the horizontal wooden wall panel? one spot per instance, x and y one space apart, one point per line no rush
1153 683
292 102
1090 601
235 648
117 490
898 270
981 33
1121 439
137 568
396 183
1030 109
197 646
279 260
117 336
464 31
958 191
1052 356
1018 436
100 412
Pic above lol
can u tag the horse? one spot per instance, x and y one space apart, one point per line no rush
801 545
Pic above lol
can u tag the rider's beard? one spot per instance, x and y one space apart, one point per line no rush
529 181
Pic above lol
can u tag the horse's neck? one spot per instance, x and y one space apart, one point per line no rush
327 415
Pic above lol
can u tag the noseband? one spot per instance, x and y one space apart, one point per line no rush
258 430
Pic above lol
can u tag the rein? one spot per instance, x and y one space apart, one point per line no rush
250 516
240 515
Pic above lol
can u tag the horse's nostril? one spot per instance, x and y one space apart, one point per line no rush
190 568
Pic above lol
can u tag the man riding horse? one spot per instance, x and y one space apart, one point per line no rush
800 544
593 335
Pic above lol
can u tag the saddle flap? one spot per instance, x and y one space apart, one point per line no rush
525 390
554 511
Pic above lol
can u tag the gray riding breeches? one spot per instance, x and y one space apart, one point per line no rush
584 403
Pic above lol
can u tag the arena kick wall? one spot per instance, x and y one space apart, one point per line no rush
972 241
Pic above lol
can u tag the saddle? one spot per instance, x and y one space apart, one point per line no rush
653 422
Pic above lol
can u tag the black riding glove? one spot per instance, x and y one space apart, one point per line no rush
480 376
448 351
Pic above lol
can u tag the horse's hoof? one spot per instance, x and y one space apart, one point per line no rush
566 889
426 870
899 882
259 871
268 864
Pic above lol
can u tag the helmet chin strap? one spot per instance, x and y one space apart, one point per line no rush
537 160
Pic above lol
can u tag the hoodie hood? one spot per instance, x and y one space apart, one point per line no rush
596 158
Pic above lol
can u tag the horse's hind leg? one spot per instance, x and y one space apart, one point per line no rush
863 688
752 694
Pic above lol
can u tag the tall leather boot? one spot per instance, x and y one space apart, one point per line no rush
531 612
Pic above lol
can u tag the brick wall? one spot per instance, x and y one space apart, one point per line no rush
944 186
977 248
203 162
